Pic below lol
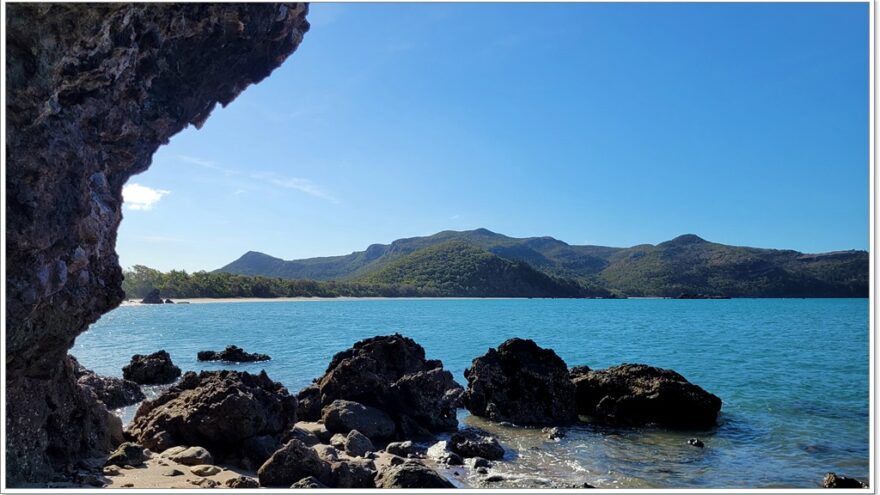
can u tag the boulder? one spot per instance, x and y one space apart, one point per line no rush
127 454
352 473
204 470
389 373
357 444
292 462
520 383
189 456
228 412
342 416
302 434
152 369
113 392
233 354
153 297
471 443
637 394
411 475
241 482
309 482
833 480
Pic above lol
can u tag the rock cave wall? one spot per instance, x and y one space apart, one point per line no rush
92 91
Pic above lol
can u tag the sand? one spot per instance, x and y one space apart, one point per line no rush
150 475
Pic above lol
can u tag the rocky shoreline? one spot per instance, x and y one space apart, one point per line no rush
381 416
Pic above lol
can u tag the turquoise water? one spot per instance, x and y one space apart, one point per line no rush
793 373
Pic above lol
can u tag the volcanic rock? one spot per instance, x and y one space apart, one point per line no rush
833 480
292 462
113 392
153 297
520 383
342 416
92 90
471 443
152 369
232 354
411 475
389 373
228 412
637 394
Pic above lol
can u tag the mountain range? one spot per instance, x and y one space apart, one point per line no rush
481 262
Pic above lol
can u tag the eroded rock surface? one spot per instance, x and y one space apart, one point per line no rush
92 90
113 392
389 373
637 394
232 354
152 369
522 383
223 411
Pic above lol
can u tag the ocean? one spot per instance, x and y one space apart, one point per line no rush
793 374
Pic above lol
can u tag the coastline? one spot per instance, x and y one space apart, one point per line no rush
215 300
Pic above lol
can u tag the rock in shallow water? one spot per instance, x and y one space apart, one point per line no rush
389 373
113 392
152 369
232 354
637 394
471 443
832 480
522 383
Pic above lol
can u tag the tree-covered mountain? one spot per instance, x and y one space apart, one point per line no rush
686 264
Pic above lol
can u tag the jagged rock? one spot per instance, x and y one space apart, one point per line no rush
127 454
189 456
153 297
294 461
241 482
389 373
232 354
352 473
411 475
342 416
113 392
471 443
520 383
92 90
404 449
227 412
155 368
357 444
833 480
204 470
637 394
308 482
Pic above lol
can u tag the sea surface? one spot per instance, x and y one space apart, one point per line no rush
793 374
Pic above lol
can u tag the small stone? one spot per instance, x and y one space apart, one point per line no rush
242 482
481 462
192 456
482 470
696 442
494 478
204 470
553 433
111 471
171 472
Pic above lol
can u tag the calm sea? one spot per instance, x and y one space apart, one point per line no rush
793 373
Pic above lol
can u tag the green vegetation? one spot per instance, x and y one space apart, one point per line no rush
686 264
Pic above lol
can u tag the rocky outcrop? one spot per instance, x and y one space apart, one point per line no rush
152 369
833 480
233 354
153 297
520 383
127 454
113 392
227 412
92 90
389 373
637 394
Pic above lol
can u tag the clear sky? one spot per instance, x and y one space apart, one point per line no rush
609 124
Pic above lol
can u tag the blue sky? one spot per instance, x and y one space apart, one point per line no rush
610 124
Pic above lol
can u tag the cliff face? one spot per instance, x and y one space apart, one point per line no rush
92 91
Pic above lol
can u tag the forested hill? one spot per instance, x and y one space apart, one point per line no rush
686 264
